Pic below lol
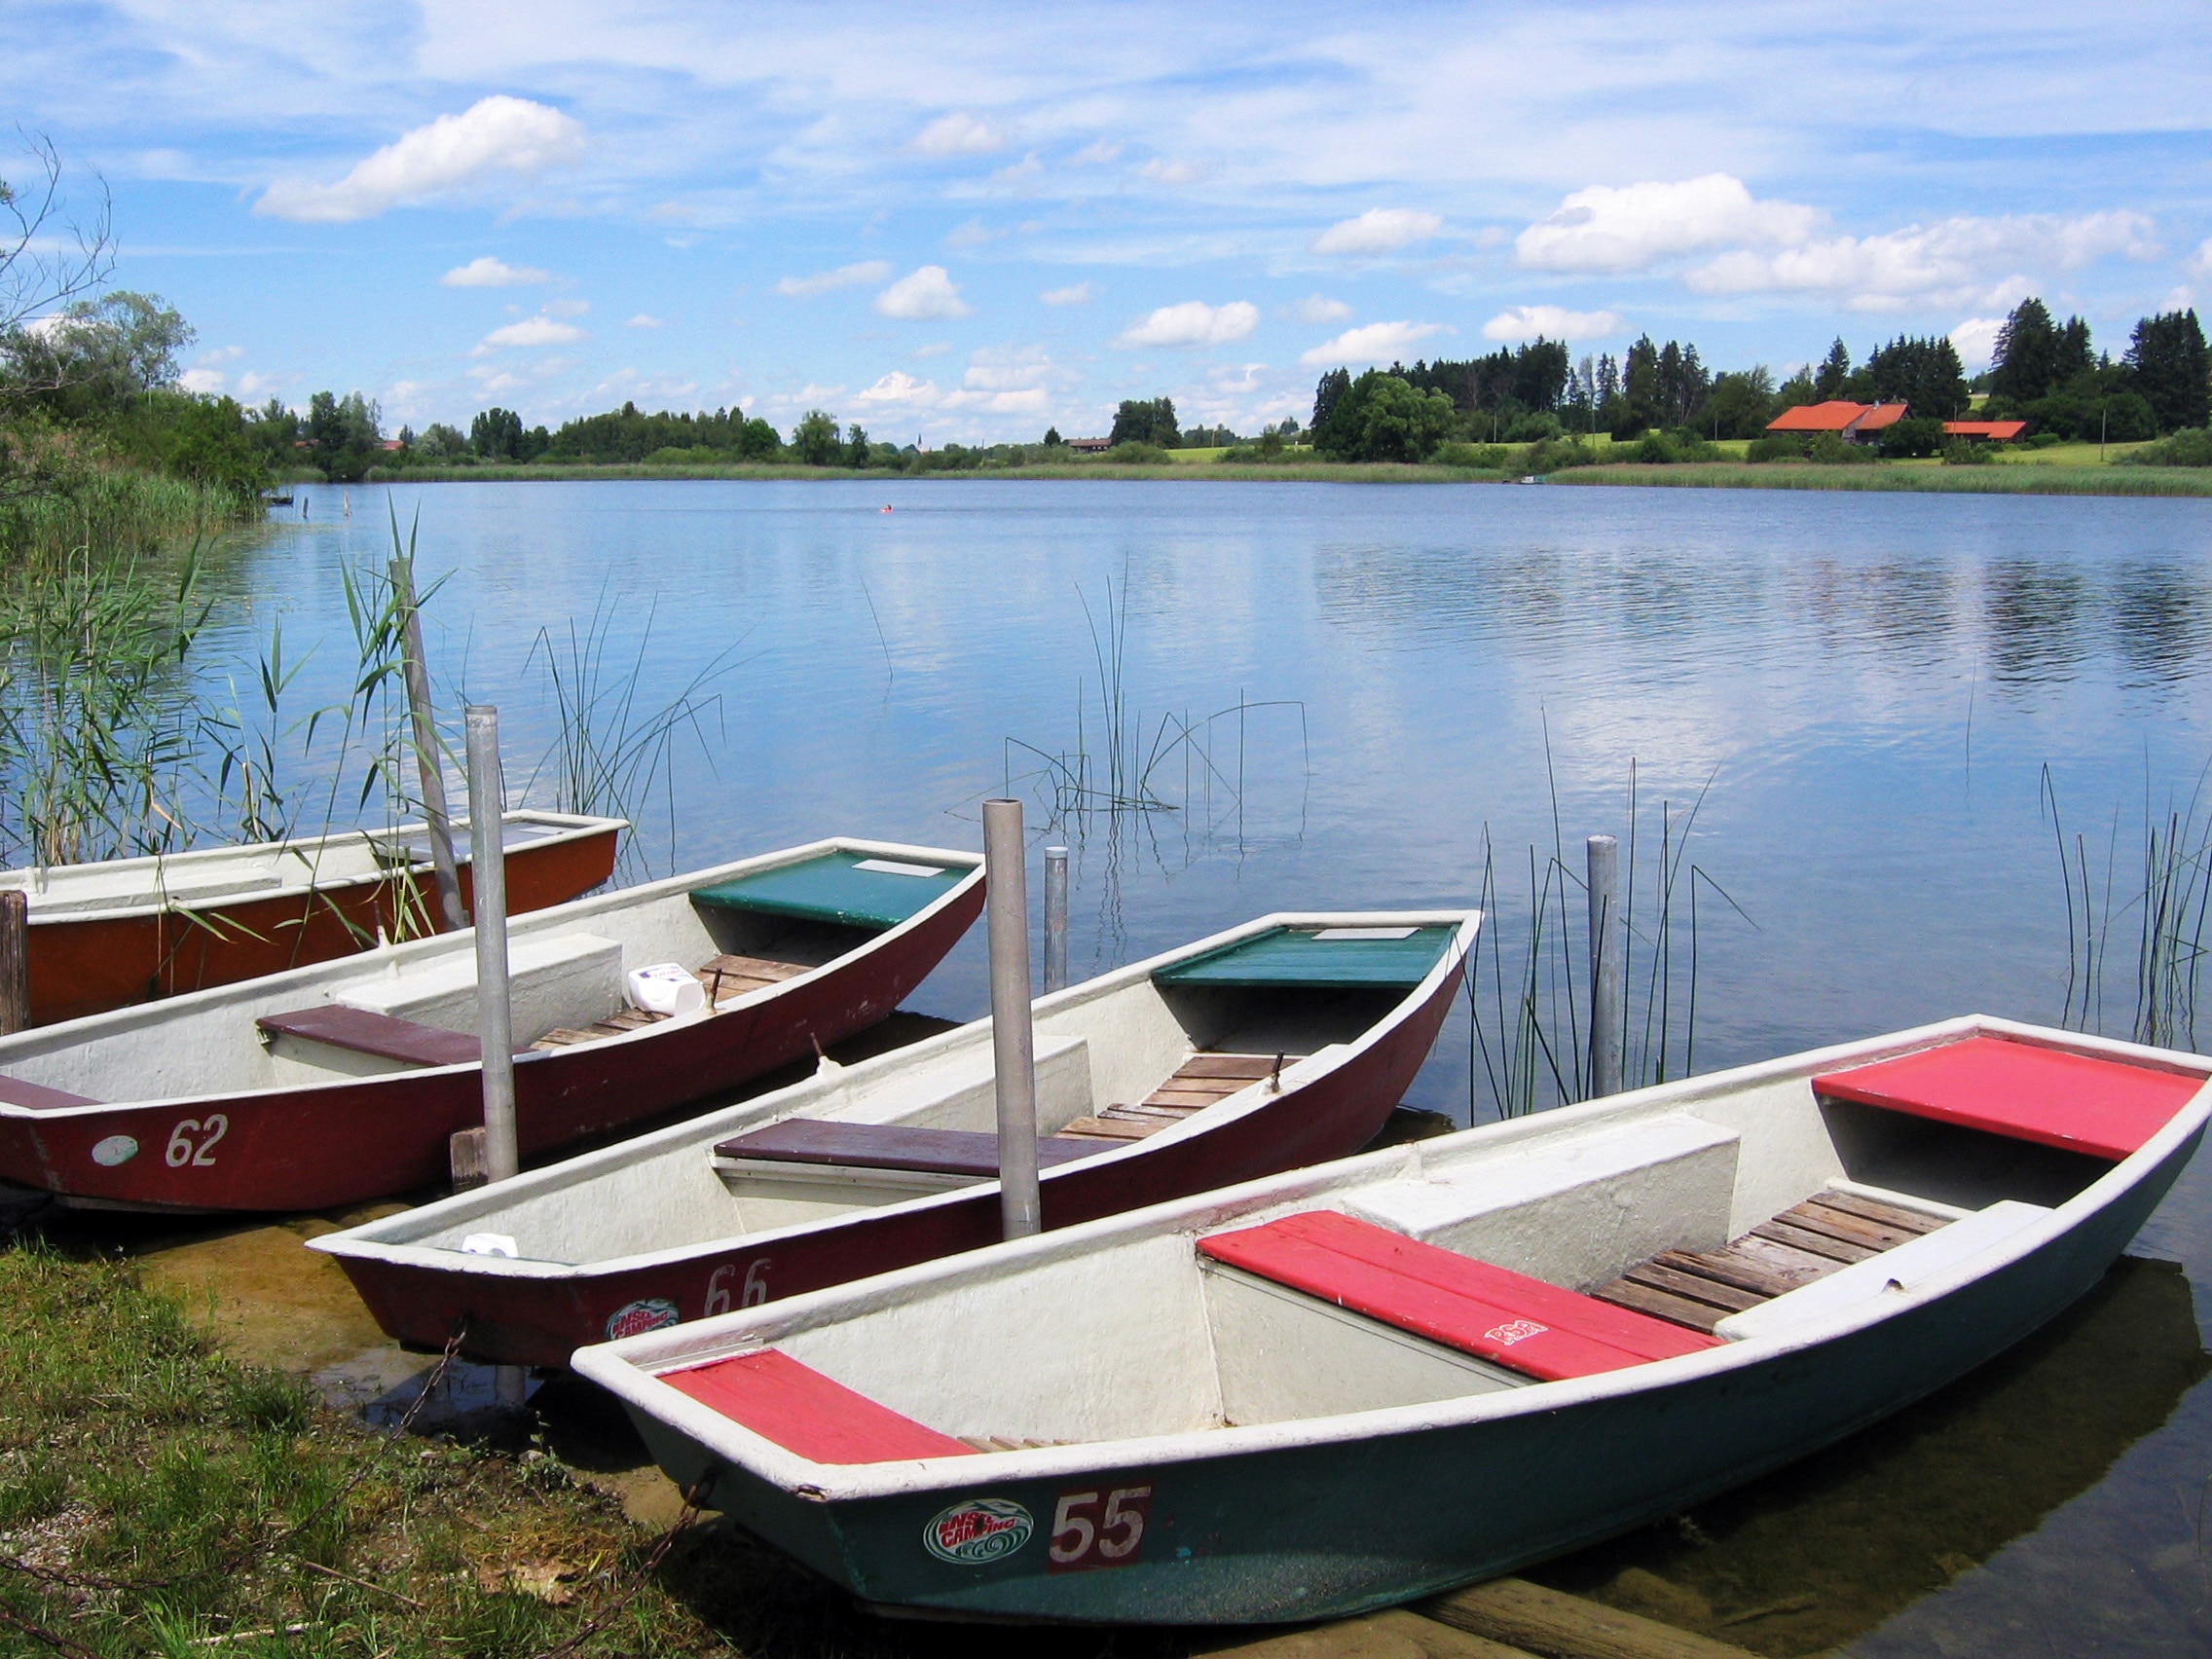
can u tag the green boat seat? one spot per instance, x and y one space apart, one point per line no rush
853 889
1377 958
2076 1102
1491 1313
802 1410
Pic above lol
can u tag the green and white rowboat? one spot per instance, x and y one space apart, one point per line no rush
1328 1391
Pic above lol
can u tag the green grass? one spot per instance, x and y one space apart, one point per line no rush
1310 472
2064 455
111 511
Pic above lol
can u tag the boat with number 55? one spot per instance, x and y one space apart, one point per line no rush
1352 1385
332 1085
1284 1041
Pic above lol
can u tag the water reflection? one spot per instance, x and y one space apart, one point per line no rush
1830 1548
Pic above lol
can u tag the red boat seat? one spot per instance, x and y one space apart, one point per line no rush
37 1098
1491 1313
893 1146
382 1034
802 1410
2105 1108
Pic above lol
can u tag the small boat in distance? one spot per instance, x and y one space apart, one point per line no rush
1278 1043
123 931
1349 1387
333 1084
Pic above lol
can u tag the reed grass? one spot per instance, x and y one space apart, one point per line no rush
102 512
1528 980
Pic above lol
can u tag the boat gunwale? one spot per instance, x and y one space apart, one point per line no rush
553 918
630 1368
574 827
361 1243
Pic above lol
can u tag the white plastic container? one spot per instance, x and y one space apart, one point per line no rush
667 987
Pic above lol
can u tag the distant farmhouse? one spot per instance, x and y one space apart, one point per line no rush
1090 446
1861 423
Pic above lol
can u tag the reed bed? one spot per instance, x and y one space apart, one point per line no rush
102 513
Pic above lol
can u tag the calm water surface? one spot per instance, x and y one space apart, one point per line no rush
1874 687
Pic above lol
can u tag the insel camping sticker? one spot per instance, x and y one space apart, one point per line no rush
978 1530
654 1313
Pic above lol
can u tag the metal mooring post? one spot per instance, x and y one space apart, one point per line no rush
1056 919
1606 964
494 1012
1013 1046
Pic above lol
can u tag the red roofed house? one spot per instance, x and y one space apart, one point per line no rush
1992 431
1851 422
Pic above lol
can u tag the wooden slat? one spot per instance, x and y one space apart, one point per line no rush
1875 1235
1676 1309
1246 1067
1182 1097
1873 1209
632 1019
1727 1267
1148 1113
1108 1128
1696 1286
765 968
1812 1242
1799 1266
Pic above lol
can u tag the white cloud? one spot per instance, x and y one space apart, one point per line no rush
252 385
1976 340
1553 322
1193 322
642 321
844 277
2200 262
493 134
1161 171
1379 230
203 382
1076 294
1095 155
220 354
972 233
1371 344
1020 175
1634 226
934 348
927 293
898 389
1963 260
566 308
958 135
628 386
1317 309
485 272
540 330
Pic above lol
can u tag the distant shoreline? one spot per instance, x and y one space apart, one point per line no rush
1997 479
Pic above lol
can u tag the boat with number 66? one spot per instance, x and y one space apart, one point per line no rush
1352 1385
1281 1042
331 1085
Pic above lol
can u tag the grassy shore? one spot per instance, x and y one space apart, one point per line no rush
112 511
1306 472
2000 479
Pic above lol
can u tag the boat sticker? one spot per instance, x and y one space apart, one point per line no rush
978 1531
116 1149
1100 1528
1517 1331
653 1313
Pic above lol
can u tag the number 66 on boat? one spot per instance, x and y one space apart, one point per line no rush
1331 1390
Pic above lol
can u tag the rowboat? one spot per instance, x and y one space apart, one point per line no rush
126 931
1284 1041
331 1085
1348 1387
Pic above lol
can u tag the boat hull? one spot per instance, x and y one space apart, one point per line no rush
1336 1527
540 1321
81 966
324 1146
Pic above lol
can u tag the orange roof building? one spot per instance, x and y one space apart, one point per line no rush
1994 431
1849 421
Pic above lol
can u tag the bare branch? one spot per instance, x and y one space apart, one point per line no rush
47 257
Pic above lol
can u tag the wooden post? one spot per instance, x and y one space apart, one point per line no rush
427 764
1014 1042
14 960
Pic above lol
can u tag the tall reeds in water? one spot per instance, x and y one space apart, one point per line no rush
2147 891
1528 981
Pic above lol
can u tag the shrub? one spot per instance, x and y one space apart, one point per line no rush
2192 446
1557 456
1487 458
1829 450
1137 454
1915 436
1964 451
1536 428
2045 440
1777 446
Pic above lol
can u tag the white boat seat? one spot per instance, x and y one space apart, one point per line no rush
1898 1270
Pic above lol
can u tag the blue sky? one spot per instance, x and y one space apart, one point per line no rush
968 223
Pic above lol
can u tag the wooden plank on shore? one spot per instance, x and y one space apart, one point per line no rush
1393 1635
1559 1626
1873 1209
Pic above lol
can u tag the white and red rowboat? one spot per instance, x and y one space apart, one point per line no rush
327 1085
127 931
1284 1041
1352 1385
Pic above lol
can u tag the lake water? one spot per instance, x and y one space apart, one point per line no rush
1872 693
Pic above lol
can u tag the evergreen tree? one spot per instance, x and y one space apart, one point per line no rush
1830 377
1926 373
2168 364
1141 420
1334 385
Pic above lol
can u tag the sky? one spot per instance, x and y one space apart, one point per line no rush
971 223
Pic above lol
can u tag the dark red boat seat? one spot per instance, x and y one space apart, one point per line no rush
37 1098
802 1410
382 1034
2105 1108
893 1146
1491 1313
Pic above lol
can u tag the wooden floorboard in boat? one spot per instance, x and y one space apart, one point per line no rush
1699 1288
1198 1083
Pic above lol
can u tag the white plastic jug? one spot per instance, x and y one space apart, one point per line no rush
667 987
